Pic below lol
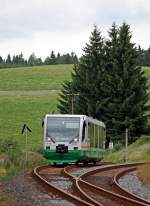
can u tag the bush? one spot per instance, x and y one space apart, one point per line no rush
117 147
11 148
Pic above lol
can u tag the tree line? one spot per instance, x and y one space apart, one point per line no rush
144 57
52 59
108 84
33 60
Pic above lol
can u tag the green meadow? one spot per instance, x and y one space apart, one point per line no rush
35 78
17 110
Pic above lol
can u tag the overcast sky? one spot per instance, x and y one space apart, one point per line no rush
65 25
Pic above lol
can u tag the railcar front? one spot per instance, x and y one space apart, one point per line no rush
62 138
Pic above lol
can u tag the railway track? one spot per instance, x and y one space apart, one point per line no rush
64 187
89 185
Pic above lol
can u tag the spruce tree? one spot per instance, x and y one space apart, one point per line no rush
1 60
110 84
147 57
65 96
127 85
52 58
87 77
8 60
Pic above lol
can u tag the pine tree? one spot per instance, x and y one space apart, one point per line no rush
147 57
32 60
47 60
8 60
87 77
52 58
127 85
110 84
1 60
65 101
58 58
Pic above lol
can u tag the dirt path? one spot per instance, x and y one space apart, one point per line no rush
52 91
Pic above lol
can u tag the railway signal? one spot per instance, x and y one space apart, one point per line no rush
26 129
126 145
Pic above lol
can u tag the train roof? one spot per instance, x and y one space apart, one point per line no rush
90 119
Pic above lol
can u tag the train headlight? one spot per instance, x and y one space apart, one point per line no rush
75 140
50 140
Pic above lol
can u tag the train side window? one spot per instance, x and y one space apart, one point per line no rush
83 131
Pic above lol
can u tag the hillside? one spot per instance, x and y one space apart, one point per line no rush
35 78
137 152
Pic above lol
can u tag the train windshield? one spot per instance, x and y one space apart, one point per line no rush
62 129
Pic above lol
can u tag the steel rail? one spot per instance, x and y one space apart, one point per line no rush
126 192
78 186
80 181
62 193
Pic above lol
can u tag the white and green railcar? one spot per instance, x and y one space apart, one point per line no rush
73 138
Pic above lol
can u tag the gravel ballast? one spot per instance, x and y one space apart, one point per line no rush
131 183
30 193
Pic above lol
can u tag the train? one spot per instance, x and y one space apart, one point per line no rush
73 139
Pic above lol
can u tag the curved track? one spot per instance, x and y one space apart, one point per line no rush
53 179
88 185
124 191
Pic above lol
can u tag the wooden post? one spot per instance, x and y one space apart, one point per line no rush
26 133
126 145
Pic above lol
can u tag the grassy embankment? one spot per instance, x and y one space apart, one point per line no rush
17 109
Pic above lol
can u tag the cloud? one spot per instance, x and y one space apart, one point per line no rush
69 21
23 18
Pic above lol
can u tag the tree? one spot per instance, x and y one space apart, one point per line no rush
58 58
87 77
52 58
47 60
147 57
65 98
20 59
126 85
141 56
74 58
39 61
8 60
110 84
1 60
32 60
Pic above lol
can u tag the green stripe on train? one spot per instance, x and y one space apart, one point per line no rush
71 156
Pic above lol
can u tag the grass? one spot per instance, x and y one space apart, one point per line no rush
137 152
147 73
35 78
16 110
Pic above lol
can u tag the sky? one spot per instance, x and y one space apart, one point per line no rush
41 26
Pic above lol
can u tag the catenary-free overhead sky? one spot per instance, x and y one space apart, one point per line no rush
40 26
